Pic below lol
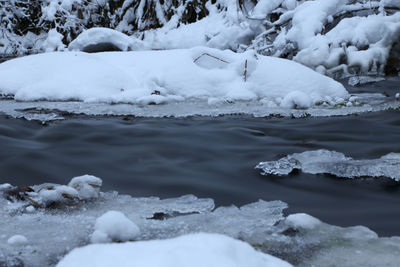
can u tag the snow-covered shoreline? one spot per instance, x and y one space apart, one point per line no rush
330 36
72 216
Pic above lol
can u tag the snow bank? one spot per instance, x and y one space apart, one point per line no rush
190 250
332 36
327 35
298 238
155 77
335 163
114 226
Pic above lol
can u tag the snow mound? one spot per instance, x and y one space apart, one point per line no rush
335 163
156 77
114 226
103 39
190 250
299 238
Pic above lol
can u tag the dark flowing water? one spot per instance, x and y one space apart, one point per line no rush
215 157
212 157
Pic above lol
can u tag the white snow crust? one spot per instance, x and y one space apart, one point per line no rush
300 239
335 163
157 77
190 250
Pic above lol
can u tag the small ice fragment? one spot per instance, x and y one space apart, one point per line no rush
17 240
324 161
397 96
302 220
114 226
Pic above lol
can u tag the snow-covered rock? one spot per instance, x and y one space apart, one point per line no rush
88 186
335 163
145 77
103 39
82 188
114 226
191 250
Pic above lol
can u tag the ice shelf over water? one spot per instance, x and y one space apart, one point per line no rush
68 221
55 110
335 163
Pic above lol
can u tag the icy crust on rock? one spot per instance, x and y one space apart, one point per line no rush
196 250
335 163
156 77
50 233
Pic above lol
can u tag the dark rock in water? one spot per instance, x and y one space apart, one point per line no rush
101 47
393 63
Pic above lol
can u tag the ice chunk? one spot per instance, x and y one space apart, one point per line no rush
360 80
190 250
114 226
335 163
17 240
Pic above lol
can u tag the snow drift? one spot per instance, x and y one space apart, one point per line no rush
155 77
195 250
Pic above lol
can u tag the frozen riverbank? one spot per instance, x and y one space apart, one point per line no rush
68 223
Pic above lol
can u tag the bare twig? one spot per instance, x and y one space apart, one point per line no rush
245 71
207 54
